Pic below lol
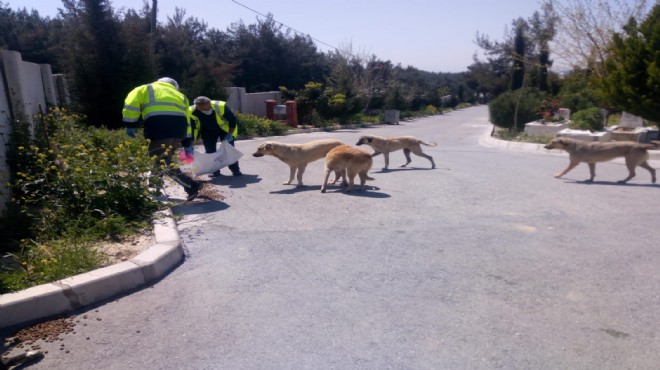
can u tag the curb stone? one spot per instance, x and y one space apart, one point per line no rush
72 293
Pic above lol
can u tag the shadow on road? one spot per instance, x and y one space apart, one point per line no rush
235 181
369 191
200 205
610 183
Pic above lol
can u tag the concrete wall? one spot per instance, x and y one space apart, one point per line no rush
27 89
252 103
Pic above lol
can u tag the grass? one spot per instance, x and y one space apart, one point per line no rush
508 135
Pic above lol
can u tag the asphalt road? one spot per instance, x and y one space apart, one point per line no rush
486 262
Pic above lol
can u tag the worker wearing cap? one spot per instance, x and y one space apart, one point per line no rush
166 119
213 119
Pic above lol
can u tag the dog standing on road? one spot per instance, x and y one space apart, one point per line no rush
386 145
297 156
579 151
347 161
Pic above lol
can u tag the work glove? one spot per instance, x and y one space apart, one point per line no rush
130 131
229 138
187 155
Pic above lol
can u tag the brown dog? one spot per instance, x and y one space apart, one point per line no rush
297 156
386 145
636 154
347 161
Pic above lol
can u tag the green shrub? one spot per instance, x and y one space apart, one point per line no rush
72 185
587 119
502 109
252 125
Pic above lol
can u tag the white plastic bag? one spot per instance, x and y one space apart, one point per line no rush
209 163
227 154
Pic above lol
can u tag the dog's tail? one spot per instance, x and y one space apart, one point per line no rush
431 143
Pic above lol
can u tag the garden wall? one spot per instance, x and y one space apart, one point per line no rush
26 90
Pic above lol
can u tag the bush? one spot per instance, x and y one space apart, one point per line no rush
253 125
72 185
502 109
587 119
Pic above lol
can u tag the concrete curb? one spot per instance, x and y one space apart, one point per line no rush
72 293
491 142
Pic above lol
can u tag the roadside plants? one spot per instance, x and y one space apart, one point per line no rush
72 185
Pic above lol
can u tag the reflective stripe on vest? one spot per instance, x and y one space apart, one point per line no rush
219 112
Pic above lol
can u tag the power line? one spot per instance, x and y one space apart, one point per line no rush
291 28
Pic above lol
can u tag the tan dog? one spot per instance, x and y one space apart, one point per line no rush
591 152
386 145
347 161
297 156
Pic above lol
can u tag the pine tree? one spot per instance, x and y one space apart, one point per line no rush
632 82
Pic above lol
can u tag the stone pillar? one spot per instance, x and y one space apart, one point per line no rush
270 109
291 113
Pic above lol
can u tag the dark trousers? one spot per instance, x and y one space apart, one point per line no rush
210 140
164 149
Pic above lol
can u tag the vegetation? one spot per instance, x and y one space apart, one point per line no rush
632 80
588 119
513 109
251 126
72 186
105 53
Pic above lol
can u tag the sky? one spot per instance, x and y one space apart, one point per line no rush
430 35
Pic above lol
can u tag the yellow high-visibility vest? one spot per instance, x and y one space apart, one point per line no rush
155 99
219 108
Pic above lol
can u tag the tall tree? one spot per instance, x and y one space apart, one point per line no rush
269 58
585 29
92 54
519 55
632 81
542 31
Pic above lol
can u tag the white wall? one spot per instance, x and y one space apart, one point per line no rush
29 91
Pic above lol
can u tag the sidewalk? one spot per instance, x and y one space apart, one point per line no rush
70 294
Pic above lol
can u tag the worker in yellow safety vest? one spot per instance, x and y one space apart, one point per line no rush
164 113
212 120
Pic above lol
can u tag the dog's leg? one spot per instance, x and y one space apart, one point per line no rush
386 155
571 165
344 181
645 165
351 179
292 174
406 152
422 154
337 176
631 171
592 171
301 170
325 179
363 179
